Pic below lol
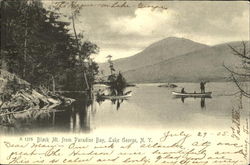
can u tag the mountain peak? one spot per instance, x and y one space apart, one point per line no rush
173 43
175 38
161 50
203 64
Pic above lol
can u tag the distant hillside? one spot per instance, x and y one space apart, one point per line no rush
204 64
156 52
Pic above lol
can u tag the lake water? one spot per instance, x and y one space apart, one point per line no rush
149 107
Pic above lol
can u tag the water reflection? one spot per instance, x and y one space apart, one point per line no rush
73 118
116 102
203 104
80 119
149 107
202 101
79 114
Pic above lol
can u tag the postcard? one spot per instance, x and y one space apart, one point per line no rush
124 82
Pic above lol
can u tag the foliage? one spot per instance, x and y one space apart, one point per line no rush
117 83
86 48
111 65
11 88
38 47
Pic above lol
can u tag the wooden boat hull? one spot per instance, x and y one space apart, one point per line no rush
179 94
116 97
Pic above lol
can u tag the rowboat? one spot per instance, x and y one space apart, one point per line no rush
179 94
116 97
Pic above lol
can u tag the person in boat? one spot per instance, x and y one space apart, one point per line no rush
202 86
182 90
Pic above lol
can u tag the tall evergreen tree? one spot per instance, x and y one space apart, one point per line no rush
36 46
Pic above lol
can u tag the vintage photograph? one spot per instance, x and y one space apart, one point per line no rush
124 72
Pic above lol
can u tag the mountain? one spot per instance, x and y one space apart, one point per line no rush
203 64
154 53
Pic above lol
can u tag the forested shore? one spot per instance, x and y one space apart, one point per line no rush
38 47
40 55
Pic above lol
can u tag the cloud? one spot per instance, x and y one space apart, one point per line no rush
125 31
145 22
242 23
206 24
215 19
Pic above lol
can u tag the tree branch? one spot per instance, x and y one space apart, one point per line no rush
236 73
237 53
239 87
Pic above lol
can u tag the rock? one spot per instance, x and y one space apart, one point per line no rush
168 85
17 94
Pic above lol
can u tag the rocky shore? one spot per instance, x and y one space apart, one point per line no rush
17 95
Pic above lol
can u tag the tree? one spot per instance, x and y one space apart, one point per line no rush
111 65
85 48
121 84
117 83
240 75
37 46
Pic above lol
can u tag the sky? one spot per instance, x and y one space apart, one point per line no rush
125 31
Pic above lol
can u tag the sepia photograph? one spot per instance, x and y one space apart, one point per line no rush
124 82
